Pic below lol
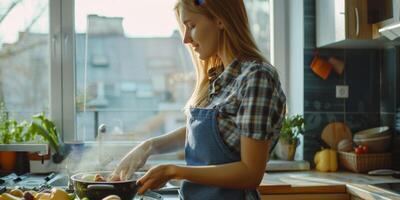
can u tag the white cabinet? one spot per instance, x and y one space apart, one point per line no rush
342 23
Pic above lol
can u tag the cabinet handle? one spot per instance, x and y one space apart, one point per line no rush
357 22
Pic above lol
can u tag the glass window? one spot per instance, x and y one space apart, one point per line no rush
259 16
24 57
132 71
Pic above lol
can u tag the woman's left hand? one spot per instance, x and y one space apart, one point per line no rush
156 177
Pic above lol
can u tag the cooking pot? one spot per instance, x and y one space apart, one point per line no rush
93 190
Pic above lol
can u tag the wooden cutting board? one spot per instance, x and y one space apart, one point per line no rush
334 132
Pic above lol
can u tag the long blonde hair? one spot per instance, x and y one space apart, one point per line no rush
235 40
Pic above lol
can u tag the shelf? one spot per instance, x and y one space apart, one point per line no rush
42 149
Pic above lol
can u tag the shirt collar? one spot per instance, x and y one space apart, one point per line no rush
230 72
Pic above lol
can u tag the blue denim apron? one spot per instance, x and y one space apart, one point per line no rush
204 146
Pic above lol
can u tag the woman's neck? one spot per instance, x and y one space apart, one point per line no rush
226 60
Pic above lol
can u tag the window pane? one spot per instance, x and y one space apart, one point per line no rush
24 57
132 71
259 16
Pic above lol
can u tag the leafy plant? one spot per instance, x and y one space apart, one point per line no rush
5 134
13 132
292 127
44 127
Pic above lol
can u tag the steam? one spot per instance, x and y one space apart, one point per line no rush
93 157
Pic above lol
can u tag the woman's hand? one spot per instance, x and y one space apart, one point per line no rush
131 162
156 177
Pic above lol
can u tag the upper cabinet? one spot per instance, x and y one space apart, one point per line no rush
349 23
341 23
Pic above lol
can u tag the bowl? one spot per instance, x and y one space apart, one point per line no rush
372 133
379 144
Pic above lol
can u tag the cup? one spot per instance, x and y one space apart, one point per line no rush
321 67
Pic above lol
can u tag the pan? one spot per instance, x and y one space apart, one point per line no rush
97 190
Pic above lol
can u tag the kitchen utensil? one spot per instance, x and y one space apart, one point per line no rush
98 190
334 132
345 145
372 133
383 172
338 65
321 67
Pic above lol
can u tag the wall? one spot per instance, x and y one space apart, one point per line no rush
373 79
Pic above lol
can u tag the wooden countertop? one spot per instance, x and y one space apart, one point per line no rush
313 182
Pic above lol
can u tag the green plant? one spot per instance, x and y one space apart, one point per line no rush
292 127
44 127
5 124
13 132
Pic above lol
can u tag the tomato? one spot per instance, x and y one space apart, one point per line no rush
365 149
358 150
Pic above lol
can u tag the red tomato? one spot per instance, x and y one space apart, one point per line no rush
365 149
358 150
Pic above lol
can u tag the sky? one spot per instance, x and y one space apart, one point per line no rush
142 18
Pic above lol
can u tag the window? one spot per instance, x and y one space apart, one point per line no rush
24 57
132 71
259 16
130 68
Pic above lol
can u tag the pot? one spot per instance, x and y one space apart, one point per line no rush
126 190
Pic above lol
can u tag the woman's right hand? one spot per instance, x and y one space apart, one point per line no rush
131 162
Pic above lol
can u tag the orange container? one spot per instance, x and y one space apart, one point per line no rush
7 160
321 67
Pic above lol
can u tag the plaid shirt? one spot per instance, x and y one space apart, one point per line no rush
250 101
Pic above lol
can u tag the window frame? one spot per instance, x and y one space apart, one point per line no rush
62 69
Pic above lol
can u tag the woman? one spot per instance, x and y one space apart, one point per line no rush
233 114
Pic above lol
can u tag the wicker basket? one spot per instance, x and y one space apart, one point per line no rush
365 162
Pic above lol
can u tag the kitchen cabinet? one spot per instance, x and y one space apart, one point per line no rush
304 191
342 23
355 198
310 185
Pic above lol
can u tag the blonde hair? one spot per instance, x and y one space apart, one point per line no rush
235 40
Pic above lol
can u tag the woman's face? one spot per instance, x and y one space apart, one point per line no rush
201 33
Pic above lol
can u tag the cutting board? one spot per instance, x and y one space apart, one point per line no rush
280 183
334 132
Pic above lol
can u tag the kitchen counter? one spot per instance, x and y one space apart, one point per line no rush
319 183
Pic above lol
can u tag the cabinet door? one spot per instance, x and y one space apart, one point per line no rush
330 21
356 198
357 20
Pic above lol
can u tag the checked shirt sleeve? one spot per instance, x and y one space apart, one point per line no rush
262 105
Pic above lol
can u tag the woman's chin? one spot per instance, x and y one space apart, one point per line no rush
203 57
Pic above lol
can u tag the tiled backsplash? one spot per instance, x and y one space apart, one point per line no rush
373 77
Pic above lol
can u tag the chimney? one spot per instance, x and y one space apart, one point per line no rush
99 25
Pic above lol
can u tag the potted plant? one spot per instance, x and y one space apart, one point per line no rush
47 130
292 128
10 132
40 130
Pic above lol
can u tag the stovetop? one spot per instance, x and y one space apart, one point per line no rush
42 182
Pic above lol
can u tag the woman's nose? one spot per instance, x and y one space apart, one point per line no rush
187 39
